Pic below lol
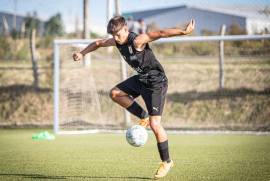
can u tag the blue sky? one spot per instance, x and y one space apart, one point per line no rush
70 9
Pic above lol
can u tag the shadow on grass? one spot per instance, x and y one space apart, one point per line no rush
40 176
191 96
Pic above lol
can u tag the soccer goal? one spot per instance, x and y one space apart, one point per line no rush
81 91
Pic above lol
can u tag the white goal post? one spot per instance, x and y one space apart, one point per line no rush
58 43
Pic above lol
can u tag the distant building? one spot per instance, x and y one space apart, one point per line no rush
210 19
8 19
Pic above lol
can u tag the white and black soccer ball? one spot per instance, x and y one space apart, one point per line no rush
136 135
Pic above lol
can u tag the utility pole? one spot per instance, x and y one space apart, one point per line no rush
86 32
109 10
109 16
15 16
117 8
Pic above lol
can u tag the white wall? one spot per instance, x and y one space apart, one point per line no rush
257 25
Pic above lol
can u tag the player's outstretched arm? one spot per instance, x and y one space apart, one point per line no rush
92 47
142 39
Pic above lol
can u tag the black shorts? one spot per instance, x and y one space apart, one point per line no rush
154 98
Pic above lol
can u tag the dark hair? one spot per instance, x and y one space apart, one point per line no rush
115 24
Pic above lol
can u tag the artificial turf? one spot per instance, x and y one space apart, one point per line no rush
109 157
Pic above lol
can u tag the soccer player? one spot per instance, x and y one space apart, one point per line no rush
150 82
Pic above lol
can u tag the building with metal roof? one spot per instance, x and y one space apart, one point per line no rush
210 18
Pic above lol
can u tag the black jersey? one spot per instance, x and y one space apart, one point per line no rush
150 71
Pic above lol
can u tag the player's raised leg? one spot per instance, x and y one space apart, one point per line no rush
163 147
120 97
124 100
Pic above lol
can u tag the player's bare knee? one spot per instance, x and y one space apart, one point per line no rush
154 124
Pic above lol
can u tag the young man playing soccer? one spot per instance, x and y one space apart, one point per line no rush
150 82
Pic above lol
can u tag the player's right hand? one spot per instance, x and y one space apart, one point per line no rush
77 56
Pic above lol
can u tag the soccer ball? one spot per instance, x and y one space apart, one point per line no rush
136 135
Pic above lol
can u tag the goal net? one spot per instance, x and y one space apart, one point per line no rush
81 91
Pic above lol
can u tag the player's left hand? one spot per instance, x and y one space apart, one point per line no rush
190 27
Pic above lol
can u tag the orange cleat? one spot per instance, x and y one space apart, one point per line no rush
144 122
163 169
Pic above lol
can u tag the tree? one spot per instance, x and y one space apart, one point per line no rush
34 58
236 29
32 22
265 11
54 26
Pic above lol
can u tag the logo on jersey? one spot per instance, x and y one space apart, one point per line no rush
138 69
133 57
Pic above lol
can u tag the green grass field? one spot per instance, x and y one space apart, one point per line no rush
109 157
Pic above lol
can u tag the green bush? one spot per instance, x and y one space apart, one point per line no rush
45 42
187 49
203 48
22 54
20 49
5 52
249 48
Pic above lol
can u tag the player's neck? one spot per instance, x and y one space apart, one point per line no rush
126 38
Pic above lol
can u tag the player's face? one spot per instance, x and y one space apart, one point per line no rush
121 36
